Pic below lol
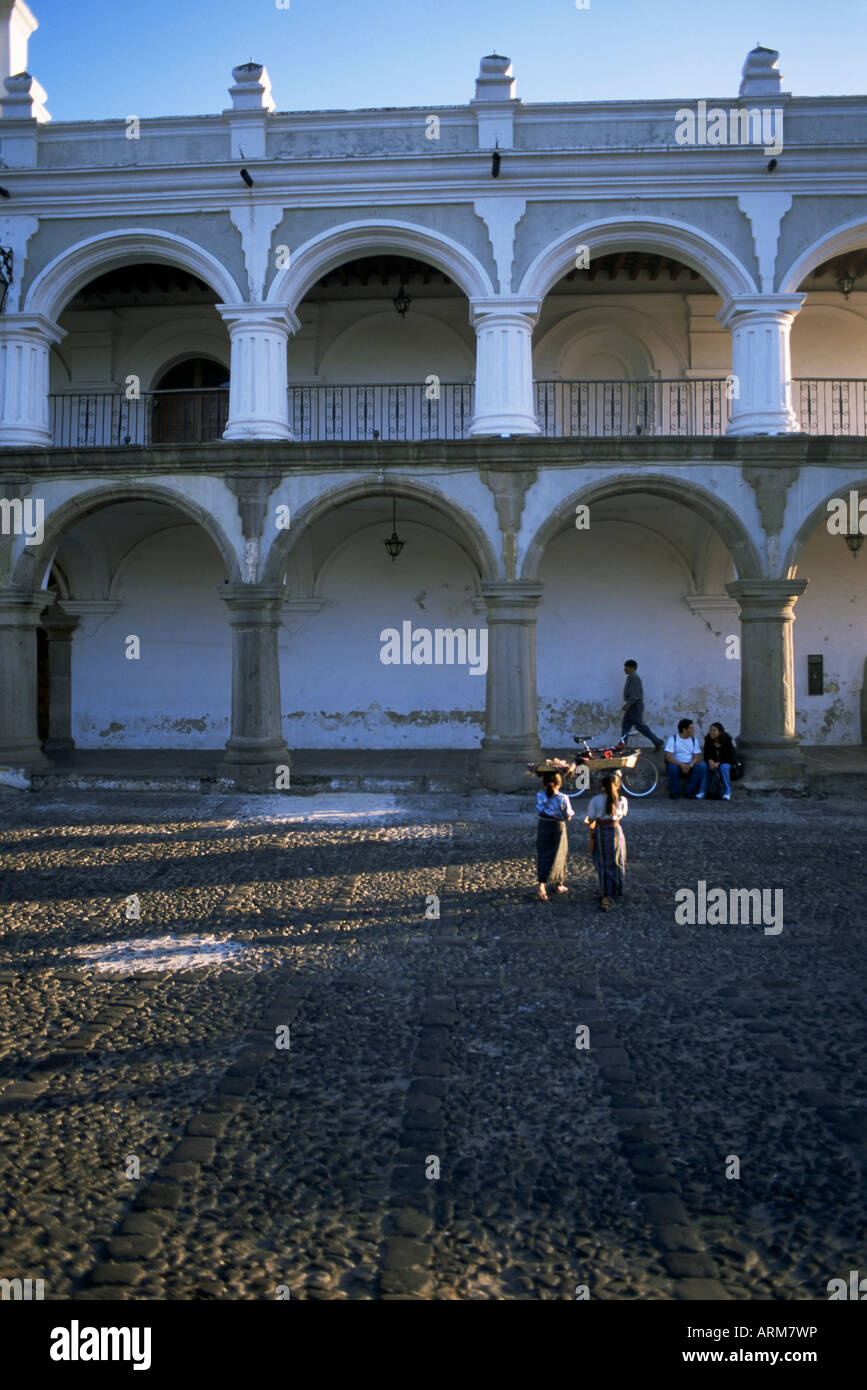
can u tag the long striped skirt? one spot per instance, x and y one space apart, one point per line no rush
609 856
551 847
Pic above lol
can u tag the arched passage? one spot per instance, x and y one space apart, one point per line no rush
139 647
830 638
641 576
345 684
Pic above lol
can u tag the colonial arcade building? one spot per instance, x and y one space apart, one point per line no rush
601 367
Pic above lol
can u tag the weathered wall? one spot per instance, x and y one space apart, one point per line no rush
612 593
336 691
178 695
831 620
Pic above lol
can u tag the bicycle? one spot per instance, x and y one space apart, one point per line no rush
638 774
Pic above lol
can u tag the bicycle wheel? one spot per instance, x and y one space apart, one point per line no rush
640 780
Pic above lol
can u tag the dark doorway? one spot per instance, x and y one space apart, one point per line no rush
42 686
191 403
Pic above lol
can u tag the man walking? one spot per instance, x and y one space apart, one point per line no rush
633 705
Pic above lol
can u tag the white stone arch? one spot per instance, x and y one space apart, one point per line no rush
818 513
595 320
850 236
58 281
698 499
470 534
32 565
164 345
314 258
694 247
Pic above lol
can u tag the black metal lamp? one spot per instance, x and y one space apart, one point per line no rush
5 275
846 284
394 545
402 301
854 541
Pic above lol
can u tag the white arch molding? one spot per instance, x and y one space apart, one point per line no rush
851 236
57 282
694 247
314 258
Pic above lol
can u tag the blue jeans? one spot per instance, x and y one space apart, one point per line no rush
632 718
696 782
724 770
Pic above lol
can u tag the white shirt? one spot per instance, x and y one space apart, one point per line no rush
683 749
598 808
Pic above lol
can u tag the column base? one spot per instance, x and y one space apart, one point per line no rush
765 422
17 766
22 436
59 747
258 429
503 424
502 763
773 766
253 767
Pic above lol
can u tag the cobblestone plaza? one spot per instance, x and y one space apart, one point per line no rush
341 1095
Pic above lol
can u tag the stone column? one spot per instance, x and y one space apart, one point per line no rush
511 729
256 747
25 343
20 749
504 402
59 627
258 380
770 745
761 325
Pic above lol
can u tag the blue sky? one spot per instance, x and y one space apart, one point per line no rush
113 58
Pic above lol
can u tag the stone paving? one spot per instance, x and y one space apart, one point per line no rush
368 1102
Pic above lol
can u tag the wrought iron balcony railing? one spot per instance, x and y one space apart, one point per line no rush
160 417
415 411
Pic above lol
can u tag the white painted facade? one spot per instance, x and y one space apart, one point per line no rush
695 522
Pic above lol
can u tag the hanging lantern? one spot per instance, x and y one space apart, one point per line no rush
394 545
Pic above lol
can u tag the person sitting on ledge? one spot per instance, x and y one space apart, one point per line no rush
719 754
684 764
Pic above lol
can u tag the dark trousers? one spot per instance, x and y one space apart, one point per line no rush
693 782
632 719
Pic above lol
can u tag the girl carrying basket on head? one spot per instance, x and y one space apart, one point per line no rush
607 842
554 810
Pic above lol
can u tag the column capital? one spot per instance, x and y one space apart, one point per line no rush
22 607
757 307
271 318
761 599
511 602
59 624
504 309
36 328
257 605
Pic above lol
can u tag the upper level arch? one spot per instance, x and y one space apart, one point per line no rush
850 236
57 282
695 248
352 239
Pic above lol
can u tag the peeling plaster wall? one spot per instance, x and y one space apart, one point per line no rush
612 594
831 621
178 695
336 691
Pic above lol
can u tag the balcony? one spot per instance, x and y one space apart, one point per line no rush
414 411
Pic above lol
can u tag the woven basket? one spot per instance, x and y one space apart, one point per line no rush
610 764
